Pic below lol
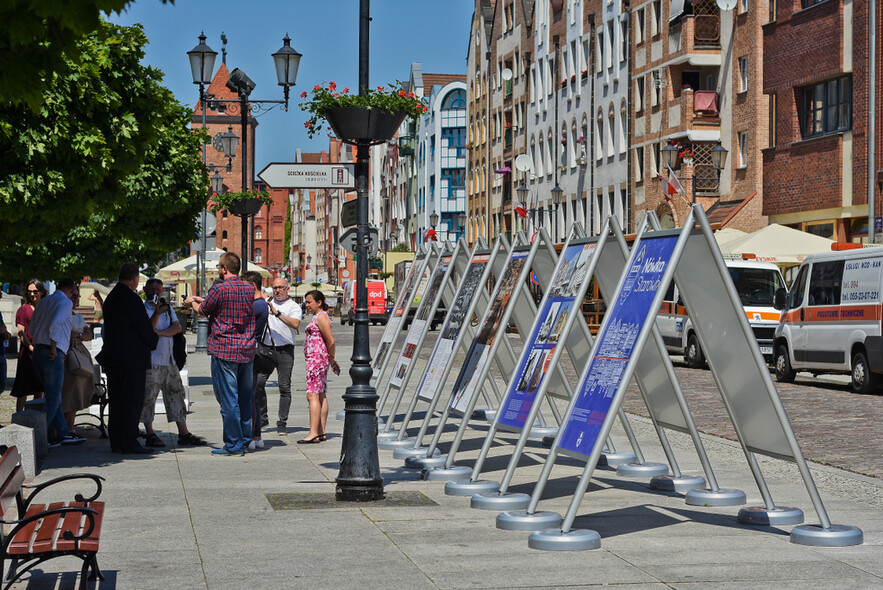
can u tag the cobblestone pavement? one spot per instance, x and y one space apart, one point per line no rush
834 426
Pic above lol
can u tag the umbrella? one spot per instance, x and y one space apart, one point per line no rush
184 271
778 244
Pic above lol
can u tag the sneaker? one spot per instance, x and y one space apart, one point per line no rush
225 453
72 439
54 443
282 430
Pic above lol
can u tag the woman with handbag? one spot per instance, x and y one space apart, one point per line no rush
26 382
319 353
79 377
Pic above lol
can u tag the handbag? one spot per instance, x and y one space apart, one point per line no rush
78 361
179 350
263 354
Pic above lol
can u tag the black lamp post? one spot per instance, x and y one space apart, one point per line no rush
286 61
556 191
718 160
461 223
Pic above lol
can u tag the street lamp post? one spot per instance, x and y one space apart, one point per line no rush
718 160
286 61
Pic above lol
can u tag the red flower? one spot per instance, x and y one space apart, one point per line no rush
381 89
317 87
303 94
346 90
410 95
332 85
308 124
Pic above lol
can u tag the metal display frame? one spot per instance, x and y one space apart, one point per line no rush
430 392
448 264
738 368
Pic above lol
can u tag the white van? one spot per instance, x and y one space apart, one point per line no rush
831 319
756 283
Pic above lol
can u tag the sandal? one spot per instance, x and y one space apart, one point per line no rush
154 441
190 439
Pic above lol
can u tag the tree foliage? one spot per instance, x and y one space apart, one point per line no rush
40 36
106 170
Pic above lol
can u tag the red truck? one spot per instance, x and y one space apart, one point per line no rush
377 312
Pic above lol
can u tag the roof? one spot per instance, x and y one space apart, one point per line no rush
430 80
218 89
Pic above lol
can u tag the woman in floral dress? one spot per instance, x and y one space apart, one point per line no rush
319 354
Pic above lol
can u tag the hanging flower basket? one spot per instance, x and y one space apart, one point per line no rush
240 203
358 123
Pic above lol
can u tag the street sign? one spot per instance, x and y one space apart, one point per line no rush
211 222
349 213
878 223
348 240
292 175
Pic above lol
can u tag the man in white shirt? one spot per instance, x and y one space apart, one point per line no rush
275 351
51 335
164 374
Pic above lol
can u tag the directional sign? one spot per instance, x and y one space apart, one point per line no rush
348 240
291 175
349 213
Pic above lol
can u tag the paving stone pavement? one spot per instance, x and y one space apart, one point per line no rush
182 519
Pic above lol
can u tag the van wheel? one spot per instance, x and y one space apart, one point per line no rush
693 355
863 380
784 372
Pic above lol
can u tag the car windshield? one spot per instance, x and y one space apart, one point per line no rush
756 286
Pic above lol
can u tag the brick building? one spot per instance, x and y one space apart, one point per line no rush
816 165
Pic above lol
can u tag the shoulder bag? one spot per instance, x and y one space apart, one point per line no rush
78 361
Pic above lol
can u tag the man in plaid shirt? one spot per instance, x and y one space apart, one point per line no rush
228 305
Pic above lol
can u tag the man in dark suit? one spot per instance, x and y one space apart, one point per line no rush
129 336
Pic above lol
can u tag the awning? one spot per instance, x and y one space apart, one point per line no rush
503 170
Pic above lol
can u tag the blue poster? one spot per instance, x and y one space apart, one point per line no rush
557 307
613 350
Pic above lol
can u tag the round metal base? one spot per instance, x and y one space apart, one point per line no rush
647 469
454 473
555 540
670 483
719 497
341 415
424 462
543 431
614 459
498 501
760 516
387 435
470 488
401 453
388 444
520 520
839 535
489 415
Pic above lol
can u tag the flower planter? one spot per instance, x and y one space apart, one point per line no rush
352 124
687 161
247 207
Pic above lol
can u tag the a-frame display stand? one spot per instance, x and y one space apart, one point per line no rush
440 287
690 257
455 332
491 344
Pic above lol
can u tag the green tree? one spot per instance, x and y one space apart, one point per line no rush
39 37
106 171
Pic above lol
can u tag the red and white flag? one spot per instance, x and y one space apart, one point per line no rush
520 210
429 235
674 185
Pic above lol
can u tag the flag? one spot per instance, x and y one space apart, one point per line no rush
429 235
674 185
665 186
520 210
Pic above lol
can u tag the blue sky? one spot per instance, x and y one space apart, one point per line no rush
325 32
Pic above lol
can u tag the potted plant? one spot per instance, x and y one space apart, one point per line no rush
585 74
373 117
686 154
240 203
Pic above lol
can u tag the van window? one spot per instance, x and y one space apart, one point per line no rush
825 283
795 297
756 286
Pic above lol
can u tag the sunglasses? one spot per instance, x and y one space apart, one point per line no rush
33 292
274 288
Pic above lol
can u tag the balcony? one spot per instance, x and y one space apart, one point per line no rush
695 38
696 114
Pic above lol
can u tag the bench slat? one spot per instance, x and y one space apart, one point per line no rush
45 537
90 543
21 543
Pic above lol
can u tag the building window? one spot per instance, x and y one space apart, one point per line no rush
743 6
639 26
639 94
656 18
224 233
743 74
599 66
772 122
624 40
639 165
808 3
258 255
743 149
258 232
827 107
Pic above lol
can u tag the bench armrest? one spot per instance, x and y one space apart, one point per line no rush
36 489
90 513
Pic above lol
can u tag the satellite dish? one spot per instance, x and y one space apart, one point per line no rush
507 74
522 163
726 5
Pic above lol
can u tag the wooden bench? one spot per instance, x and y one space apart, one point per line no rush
45 531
